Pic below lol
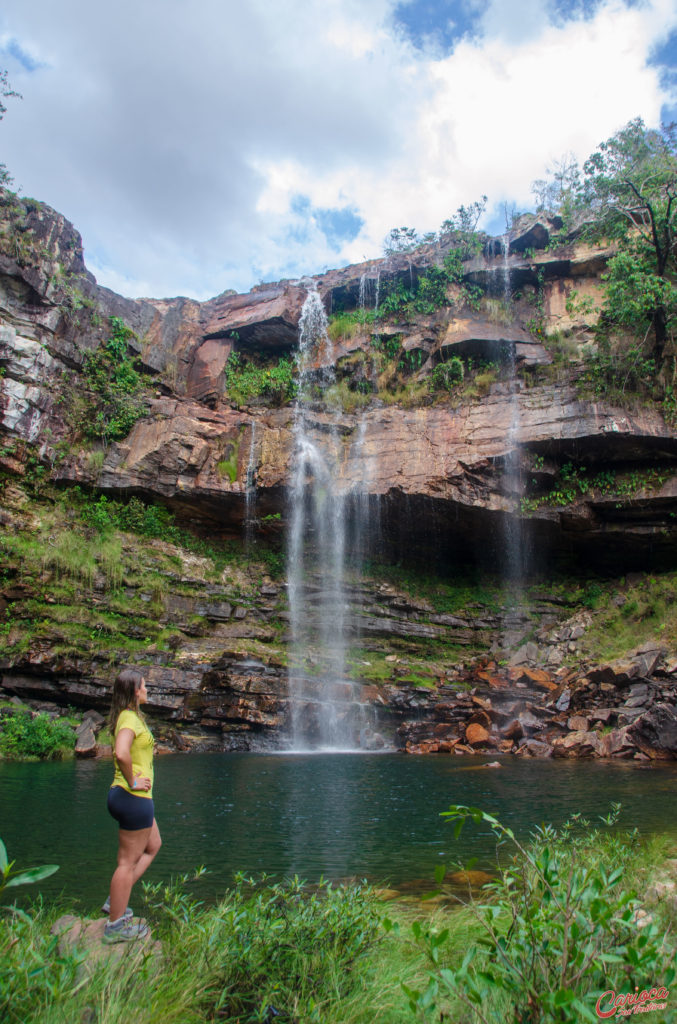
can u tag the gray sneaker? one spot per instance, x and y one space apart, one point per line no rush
124 930
129 913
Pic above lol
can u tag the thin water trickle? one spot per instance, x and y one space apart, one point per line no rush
512 470
250 492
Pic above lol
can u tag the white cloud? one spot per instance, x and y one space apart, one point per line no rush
177 136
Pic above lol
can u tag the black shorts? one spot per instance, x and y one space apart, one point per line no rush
131 812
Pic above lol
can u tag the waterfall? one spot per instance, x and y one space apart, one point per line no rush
326 712
369 286
513 556
250 492
362 294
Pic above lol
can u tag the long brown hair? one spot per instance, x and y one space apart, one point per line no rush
125 690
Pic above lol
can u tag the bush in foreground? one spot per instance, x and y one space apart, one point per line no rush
563 935
267 952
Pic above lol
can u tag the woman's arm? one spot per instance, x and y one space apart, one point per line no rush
123 753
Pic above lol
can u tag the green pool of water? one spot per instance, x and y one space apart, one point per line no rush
332 815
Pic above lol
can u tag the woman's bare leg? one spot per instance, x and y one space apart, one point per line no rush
130 850
148 856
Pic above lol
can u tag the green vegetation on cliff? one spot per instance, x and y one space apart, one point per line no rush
94 575
113 397
246 379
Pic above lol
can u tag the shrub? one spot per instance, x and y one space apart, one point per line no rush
71 556
274 951
115 385
560 930
612 370
41 737
446 376
245 380
136 516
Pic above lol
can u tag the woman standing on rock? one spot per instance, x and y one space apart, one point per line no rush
130 802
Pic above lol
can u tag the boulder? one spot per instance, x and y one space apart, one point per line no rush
564 700
85 935
618 673
578 744
535 748
85 741
601 715
476 735
538 678
95 720
618 744
655 732
529 722
513 730
472 878
527 654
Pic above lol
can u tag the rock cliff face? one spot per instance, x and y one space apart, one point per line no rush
426 467
447 478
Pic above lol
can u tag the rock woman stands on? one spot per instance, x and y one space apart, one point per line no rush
130 802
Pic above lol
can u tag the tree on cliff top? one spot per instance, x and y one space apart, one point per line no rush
627 192
6 92
630 184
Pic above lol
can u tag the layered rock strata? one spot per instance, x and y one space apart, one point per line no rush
436 471
446 479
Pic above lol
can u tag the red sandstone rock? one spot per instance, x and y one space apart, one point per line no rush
480 718
536 677
443 729
476 735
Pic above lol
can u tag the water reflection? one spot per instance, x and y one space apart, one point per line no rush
332 815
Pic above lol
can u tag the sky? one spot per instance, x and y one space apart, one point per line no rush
205 145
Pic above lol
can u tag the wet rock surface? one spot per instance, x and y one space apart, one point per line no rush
523 716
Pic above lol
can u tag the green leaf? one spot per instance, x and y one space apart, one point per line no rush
3 856
33 875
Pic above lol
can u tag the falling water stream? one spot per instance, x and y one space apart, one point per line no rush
325 526
513 554
250 493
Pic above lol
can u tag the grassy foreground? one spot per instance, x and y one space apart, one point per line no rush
560 926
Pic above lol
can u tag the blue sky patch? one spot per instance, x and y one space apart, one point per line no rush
569 10
442 22
13 48
664 57
339 225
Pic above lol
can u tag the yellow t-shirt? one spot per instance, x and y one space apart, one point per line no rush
141 751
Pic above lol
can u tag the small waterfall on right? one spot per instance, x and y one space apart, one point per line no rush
250 493
513 559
